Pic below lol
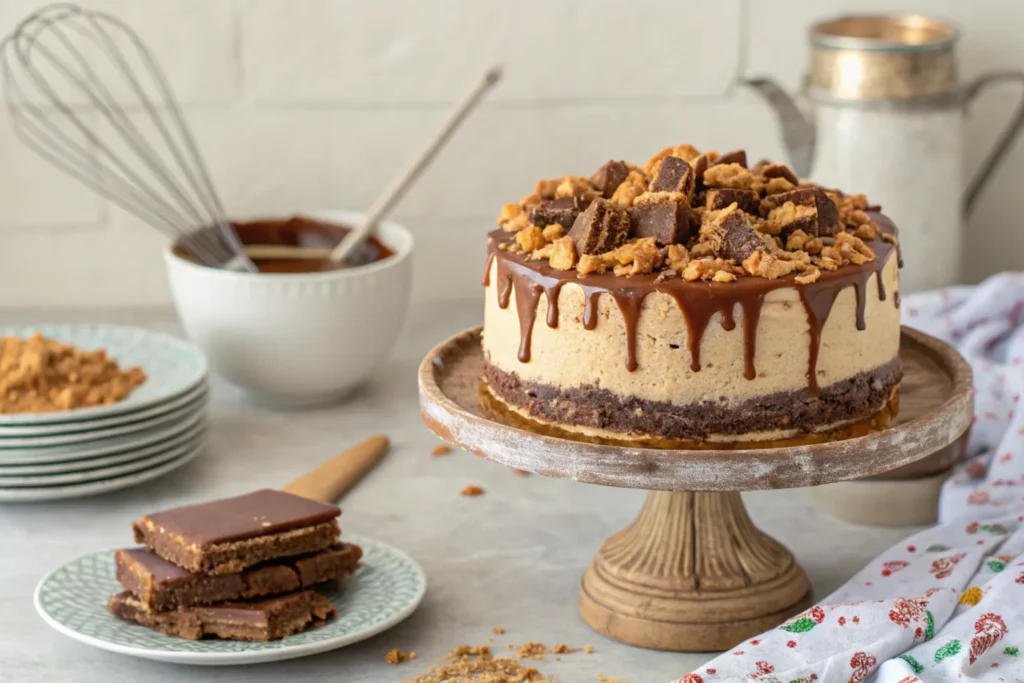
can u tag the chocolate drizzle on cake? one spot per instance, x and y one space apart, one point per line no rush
486 280
698 301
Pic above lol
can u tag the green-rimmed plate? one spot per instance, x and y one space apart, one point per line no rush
387 588
172 367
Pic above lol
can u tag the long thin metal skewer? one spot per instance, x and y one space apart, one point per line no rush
399 185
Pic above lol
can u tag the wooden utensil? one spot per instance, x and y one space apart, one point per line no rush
387 199
333 479
396 190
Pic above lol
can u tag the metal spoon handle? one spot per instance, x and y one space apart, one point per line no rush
399 185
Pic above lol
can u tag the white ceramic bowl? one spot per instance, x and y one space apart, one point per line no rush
297 339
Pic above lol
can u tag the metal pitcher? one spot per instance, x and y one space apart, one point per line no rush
888 121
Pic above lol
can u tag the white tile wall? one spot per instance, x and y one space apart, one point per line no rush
312 103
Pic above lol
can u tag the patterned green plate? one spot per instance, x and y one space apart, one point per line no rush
387 588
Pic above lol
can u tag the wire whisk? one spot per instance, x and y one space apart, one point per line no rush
86 94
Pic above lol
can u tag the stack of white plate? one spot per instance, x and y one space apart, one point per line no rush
158 428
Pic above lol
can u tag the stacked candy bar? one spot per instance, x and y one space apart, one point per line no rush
238 568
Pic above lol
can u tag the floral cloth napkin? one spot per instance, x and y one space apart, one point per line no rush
946 604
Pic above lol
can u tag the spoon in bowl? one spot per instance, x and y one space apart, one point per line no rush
353 250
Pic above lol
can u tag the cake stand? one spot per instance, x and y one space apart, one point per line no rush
693 572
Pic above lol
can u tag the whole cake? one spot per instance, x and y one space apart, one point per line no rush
693 300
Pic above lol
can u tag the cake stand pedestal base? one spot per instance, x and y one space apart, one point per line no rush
692 573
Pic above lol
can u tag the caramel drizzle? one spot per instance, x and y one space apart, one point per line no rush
697 301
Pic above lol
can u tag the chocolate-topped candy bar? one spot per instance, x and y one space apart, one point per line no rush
602 227
260 620
730 235
806 208
562 211
748 200
674 175
737 156
665 216
160 585
228 535
608 178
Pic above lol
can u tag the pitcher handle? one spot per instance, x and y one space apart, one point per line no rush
1005 139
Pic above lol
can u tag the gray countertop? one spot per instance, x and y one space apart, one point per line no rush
510 558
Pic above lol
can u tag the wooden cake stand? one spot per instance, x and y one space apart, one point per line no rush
693 572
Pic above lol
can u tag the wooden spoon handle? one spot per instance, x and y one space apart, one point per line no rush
396 190
331 480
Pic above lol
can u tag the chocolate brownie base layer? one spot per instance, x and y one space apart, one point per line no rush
160 585
234 556
865 397
262 620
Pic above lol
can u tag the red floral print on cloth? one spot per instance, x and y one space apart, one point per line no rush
989 629
906 611
862 664
763 669
943 567
893 566
968 550
978 498
802 623
976 469
691 678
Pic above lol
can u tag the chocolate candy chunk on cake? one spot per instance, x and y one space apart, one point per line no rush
237 568
692 300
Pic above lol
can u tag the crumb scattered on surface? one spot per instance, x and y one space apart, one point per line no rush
477 664
588 649
471 490
441 449
40 375
397 656
561 649
497 630
531 650
522 473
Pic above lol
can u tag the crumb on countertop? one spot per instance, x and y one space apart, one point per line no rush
476 663
441 449
471 490
531 650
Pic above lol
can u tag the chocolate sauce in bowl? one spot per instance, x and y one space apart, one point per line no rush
299 231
